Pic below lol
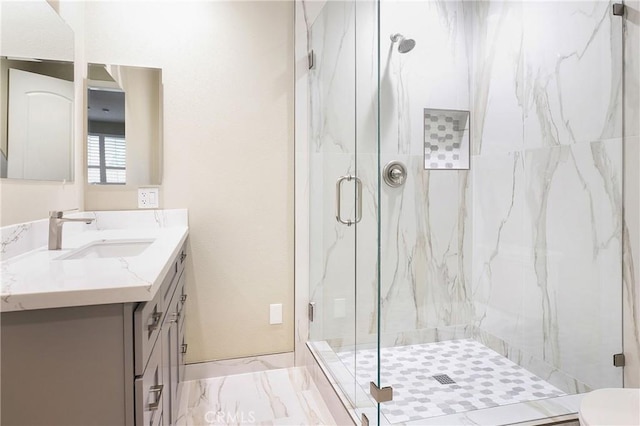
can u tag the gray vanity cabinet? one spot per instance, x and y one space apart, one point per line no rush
114 364
171 353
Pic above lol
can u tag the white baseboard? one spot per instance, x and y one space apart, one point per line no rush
204 370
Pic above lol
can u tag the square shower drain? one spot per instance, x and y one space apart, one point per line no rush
444 379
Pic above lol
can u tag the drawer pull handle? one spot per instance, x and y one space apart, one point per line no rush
157 389
183 298
183 256
176 316
156 321
184 348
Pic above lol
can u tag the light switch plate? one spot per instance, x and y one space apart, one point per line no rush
275 313
148 198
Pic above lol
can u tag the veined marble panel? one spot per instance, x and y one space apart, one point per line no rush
572 72
423 281
432 75
331 145
332 80
547 232
422 245
527 245
495 33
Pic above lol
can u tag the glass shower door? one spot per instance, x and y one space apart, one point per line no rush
343 187
500 278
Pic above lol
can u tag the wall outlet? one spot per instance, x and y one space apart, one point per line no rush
148 198
340 308
275 313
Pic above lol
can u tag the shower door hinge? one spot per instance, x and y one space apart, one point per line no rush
381 395
365 420
312 59
618 360
618 9
312 311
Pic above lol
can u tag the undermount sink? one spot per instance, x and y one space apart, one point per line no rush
109 248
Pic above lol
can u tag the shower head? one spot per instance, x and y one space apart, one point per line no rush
404 44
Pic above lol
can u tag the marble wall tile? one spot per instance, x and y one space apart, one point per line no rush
432 75
422 245
495 47
572 72
524 247
331 144
548 221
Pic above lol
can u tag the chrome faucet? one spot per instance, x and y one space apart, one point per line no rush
55 227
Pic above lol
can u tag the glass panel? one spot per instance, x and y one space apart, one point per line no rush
343 166
501 284
332 129
367 297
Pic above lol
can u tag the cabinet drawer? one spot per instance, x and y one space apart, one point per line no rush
149 316
169 283
148 392
147 320
181 296
173 275
183 355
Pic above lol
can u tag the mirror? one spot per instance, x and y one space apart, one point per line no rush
124 125
36 92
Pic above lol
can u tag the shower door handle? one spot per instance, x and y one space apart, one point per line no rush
349 178
358 199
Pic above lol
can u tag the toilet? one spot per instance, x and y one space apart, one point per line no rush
610 407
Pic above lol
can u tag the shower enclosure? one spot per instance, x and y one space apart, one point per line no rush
480 272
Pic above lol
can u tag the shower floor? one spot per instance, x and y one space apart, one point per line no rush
482 378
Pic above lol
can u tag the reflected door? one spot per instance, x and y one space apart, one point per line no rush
40 127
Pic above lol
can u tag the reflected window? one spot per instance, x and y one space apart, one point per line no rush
106 158
106 143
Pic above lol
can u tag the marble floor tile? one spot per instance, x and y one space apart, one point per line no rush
274 397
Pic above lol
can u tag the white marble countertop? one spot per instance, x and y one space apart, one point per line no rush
38 279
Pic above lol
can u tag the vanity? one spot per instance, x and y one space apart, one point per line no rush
94 334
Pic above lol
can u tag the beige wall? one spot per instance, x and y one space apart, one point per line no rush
228 155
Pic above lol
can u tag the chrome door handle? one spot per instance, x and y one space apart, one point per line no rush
358 199
349 178
157 389
175 316
338 199
156 321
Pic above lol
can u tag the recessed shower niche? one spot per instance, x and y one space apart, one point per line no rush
446 139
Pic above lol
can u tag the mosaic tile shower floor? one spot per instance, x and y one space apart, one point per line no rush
482 378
